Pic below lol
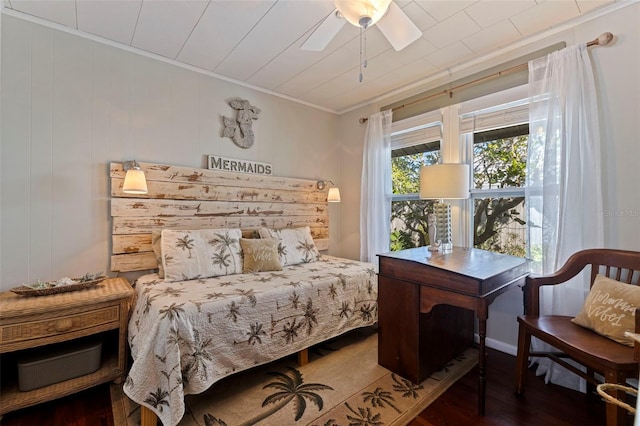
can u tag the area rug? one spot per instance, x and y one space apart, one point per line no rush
341 385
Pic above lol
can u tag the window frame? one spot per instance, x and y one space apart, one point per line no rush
457 124
494 111
402 133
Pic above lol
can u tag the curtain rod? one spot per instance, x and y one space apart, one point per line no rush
603 40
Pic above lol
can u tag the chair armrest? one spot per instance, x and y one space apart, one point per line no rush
573 266
532 288
576 263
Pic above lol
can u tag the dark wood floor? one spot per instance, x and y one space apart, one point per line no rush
88 408
547 405
541 404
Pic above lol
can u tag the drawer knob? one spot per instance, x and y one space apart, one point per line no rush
63 325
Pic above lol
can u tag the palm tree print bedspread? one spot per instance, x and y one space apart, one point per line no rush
186 335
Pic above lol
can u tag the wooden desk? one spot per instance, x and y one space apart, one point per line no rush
426 302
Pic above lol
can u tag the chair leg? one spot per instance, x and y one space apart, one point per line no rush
616 415
522 359
591 388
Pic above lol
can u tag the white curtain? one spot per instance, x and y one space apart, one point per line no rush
375 192
563 191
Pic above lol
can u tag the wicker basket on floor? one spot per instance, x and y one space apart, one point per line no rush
602 391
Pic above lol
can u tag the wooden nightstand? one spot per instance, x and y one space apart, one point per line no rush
29 322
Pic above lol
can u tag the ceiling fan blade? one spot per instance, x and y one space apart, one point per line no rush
324 33
398 28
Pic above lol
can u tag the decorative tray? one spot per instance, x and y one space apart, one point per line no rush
50 287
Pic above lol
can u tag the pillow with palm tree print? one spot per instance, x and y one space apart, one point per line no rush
295 245
201 253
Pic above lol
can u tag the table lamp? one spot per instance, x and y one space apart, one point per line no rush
440 182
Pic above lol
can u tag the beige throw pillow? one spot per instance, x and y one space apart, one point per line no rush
202 253
609 309
157 250
295 245
260 255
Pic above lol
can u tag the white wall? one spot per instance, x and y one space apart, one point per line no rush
618 81
70 106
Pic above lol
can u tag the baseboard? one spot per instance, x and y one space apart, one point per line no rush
498 345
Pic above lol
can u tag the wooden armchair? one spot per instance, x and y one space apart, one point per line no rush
614 361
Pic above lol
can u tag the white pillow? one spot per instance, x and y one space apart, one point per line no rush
202 253
295 245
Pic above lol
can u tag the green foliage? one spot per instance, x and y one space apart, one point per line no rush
400 240
500 163
409 224
405 172
497 164
409 218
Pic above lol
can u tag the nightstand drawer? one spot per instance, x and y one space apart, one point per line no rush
60 325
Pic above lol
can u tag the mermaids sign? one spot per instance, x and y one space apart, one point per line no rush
239 128
240 166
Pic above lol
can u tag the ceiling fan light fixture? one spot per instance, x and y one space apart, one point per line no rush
362 13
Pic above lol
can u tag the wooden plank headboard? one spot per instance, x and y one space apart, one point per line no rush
188 198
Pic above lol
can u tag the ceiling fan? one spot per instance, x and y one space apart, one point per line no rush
394 24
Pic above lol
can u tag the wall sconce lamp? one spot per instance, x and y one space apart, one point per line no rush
134 181
443 181
334 192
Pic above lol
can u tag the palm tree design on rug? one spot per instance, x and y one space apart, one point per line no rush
363 417
379 398
290 387
408 389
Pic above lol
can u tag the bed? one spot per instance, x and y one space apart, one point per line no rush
189 329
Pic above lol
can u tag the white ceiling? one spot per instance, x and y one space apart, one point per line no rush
257 42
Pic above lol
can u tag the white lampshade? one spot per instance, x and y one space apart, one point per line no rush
135 182
353 10
334 195
444 181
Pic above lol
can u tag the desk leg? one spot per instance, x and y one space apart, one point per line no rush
482 359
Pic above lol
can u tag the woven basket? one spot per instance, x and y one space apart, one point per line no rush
24 290
603 387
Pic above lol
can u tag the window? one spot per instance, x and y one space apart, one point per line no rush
496 139
499 160
413 144
492 135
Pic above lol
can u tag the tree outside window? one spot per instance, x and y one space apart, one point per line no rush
494 133
408 212
499 164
